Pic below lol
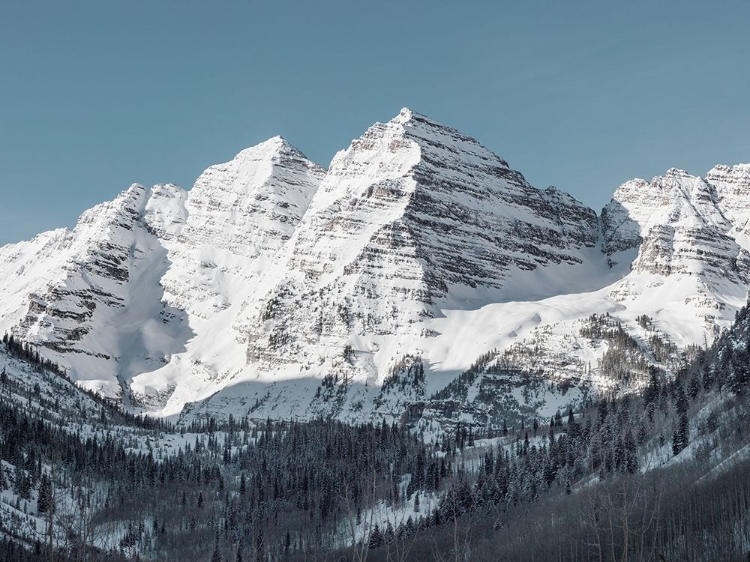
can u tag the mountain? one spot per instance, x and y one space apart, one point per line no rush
540 359
412 220
90 295
141 279
276 288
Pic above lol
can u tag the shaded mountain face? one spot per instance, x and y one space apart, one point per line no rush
276 288
141 277
90 297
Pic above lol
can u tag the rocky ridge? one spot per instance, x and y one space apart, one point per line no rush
275 287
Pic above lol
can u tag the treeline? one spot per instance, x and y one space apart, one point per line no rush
266 491
597 504
28 353
323 490
106 409
673 514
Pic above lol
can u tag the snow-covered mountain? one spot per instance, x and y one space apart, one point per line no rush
143 281
690 237
277 288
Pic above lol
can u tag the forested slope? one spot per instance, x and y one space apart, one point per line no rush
662 475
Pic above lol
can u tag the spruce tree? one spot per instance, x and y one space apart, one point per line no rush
216 556
376 537
44 499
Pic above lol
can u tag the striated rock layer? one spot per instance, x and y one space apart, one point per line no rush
141 280
412 218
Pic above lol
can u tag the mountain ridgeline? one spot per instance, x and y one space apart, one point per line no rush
413 354
277 288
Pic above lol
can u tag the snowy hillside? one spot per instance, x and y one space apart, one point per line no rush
277 288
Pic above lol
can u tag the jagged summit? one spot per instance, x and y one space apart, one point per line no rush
739 173
277 147
431 135
260 163
409 117
405 115
676 173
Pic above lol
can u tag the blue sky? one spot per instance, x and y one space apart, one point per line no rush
584 95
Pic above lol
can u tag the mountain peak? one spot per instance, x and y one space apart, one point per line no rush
407 115
404 115
738 173
411 118
677 173
273 148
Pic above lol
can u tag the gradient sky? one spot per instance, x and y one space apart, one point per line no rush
584 95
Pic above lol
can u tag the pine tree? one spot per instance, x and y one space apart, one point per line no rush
44 499
376 537
389 534
631 453
680 436
240 546
694 386
740 373
216 556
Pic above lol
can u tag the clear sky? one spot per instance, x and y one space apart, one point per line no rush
584 95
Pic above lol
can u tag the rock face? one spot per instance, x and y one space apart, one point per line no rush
411 216
140 278
83 291
237 216
278 288
687 231
683 225
732 186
